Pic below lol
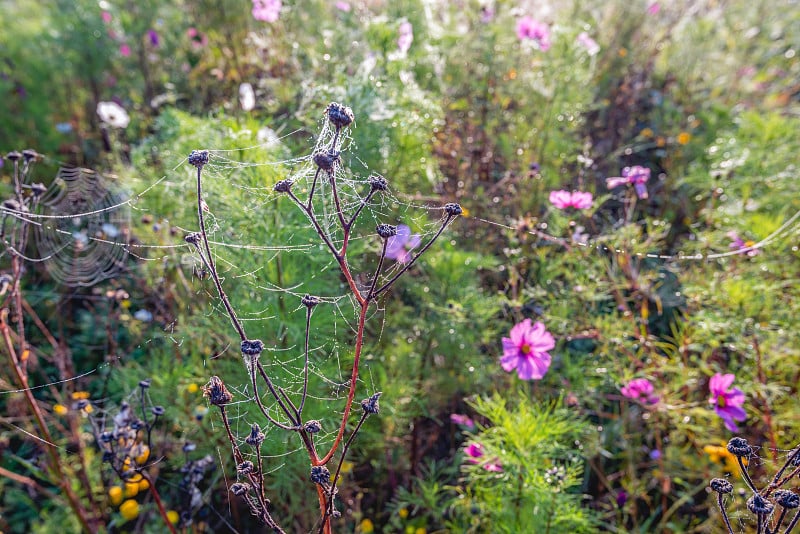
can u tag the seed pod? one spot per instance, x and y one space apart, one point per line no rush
339 115
198 158
386 230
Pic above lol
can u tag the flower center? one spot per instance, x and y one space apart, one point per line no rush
720 401
525 349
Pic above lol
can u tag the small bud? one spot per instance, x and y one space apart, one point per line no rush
245 468
14 156
453 209
256 437
759 505
787 498
386 230
720 485
193 238
240 488
320 475
739 447
198 158
313 426
29 154
378 183
144 384
252 347
326 160
158 411
309 301
370 405
339 115
283 186
216 392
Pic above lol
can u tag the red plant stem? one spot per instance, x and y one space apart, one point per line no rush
767 411
159 504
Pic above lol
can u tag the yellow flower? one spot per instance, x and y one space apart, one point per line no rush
403 512
115 495
409 529
129 509
126 464
421 530
367 526
623 52
60 409
346 467
131 489
142 453
144 485
192 388
464 212
80 395
173 517
684 138
660 142
646 132
88 408
719 454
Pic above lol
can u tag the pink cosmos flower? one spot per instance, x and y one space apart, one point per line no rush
588 43
106 16
474 452
398 247
343 6
532 29
124 50
564 199
727 402
462 420
198 40
267 10
653 8
406 37
526 350
737 243
636 175
640 389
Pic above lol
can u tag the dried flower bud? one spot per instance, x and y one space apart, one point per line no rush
378 183
787 498
759 505
339 115
144 384
739 447
320 475
256 437
38 189
157 410
198 158
138 425
326 160
720 485
14 156
453 209
386 230
13 205
313 426
245 468
370 405
240 488
216 392
309 301
283 186
193 238
252 347
30 154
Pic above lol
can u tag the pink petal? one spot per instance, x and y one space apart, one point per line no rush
616 181
413 241
720 383
540 339
561 199
509 362
581 200
520 332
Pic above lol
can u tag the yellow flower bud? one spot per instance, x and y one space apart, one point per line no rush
60 409
131 489
367 526
144 485
115 495
142 454
192 388
173 517
129 509
403 512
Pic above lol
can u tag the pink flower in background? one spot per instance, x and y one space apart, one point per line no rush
198 40
727 401
636 175
653 8
487 14
398 247
124 50
462 420
564 199
532 29
474 452
267 10
106 17
526 350
591 46
640 389
406 37
737 243
343 6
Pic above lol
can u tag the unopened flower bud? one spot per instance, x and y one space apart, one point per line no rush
144 384
252 347
370 405
157 410
198 158
386 230
339 115
216 392
320 475
283 186
38 189
29 154
453 209
14 156
193 238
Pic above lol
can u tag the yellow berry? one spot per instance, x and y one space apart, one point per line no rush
115 495
144 485
60 409
173 517
131 489
142 454
129 509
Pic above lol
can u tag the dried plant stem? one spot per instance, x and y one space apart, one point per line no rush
724 513
159 504
329 507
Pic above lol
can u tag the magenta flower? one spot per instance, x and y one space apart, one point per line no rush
737 243
106 17
124 50
640 389
343 6
462 420
635 175
398 247
727 402
564 199
197 39
529 28
406 37
526 350
653 8
267 10
588 43
474 452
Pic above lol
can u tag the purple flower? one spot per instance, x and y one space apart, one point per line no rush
267 10
462 420
474 452
564 199
532 29
622 498
635 175
727 402
737 243
655 454
398 247
406 37
526 350
343 6
153 36
588 43
640 389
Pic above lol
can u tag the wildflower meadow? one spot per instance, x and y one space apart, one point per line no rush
416 267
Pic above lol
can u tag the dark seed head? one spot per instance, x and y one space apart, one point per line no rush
309 301
245 468
386 230
252 347
157 410
370 405
144 384
787 498
453 209
313 426
29 154
108 456
198 158
759 505
256 436
720 485
138 425
320 475
240 488
13 205
326 159
339 115
739 447
216 392
14 156
38 189
283 186
193 238
378 183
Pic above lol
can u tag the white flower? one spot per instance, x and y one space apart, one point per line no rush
113 114
247 97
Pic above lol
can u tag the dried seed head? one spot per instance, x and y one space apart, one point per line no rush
144 384
216 392
370 405
386 230
320 475
157 410
339 115
720 485
189 446
256 436
453 209
283 186
198 158
29 154
313 426
138 425
252 347
14 156
193 238
240 488
378 183
13 205
309 301
739 447
759 505
245 468
787 498
326 159
38 189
